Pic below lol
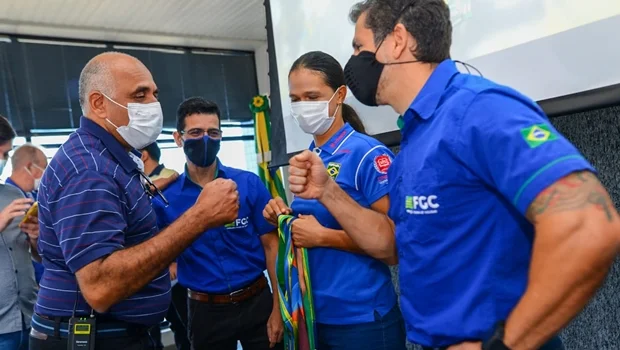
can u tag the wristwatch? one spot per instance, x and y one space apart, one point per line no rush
496 342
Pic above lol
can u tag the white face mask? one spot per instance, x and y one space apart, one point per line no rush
313 116
146 121
37 181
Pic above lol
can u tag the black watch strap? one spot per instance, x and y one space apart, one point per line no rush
496 342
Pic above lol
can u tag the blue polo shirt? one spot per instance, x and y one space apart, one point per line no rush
474 155
348 288
91 204
224 259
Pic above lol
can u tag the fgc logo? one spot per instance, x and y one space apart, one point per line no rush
421 205
239 223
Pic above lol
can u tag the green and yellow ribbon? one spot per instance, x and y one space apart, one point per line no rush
296 302
262 131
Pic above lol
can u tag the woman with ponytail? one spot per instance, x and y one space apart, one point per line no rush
355 305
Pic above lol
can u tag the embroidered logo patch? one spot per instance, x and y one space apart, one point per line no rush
537 135
382 163
333 169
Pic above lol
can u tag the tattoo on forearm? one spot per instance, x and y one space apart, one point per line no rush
576 191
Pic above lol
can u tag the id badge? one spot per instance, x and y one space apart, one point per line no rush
82 331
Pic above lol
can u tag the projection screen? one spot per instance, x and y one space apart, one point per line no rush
544 48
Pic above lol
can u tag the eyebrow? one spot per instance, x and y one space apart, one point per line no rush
306 93
140 89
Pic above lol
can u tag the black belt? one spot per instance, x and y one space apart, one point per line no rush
59 327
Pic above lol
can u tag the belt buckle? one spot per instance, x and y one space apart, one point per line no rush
234 294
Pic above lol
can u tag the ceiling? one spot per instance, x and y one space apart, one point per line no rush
223 24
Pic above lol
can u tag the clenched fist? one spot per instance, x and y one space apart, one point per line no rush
308 177
218 203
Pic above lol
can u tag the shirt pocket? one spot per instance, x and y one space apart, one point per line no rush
425 208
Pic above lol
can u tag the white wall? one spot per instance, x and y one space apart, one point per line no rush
262 69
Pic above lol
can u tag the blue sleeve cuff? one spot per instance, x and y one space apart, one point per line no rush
547 176
265 227
92 253
375 196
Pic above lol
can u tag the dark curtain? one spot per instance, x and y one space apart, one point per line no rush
39 82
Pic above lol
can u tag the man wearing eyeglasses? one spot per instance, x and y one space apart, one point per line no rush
229 297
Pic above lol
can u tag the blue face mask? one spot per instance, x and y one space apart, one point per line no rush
202 152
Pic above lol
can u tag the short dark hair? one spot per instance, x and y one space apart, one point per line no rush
7 133
333 75
153 151
428 21
195 105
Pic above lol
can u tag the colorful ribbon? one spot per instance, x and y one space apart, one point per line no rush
296 303
272 178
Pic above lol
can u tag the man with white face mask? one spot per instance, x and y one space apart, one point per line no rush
29 163
17 242
106 262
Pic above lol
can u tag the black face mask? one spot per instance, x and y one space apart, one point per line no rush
202 152
362 74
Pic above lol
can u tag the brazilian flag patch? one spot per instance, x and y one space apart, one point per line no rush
333 169
537 135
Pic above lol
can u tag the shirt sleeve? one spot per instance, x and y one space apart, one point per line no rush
260 196
512 145
160 212
371 177
88 217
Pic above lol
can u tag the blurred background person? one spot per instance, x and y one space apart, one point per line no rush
28 163
151 156
17 244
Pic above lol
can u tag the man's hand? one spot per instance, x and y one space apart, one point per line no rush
275 208
275 327
307 232
308 177
173 271
466 346
16 208
164 182
31 228
218 203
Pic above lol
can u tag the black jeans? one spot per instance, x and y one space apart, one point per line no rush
177 316
220 326
137 342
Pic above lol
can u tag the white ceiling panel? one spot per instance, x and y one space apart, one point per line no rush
226 24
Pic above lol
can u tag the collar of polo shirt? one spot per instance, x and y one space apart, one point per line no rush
333 144
425 104
113 146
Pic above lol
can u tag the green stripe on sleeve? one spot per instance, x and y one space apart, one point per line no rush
515 201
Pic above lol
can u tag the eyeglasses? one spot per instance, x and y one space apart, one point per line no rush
150 188
197 132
